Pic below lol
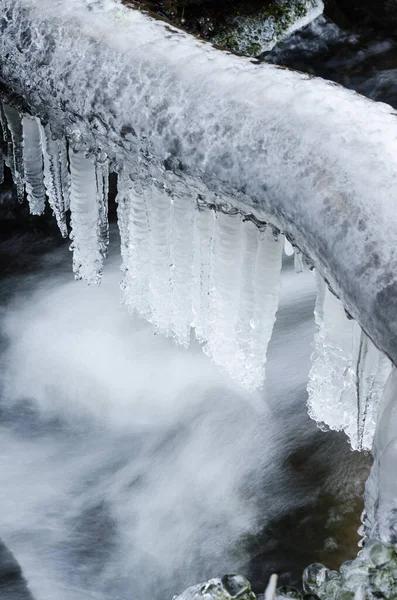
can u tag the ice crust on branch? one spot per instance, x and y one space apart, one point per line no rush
193 262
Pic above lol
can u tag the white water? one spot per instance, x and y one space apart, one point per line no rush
131 468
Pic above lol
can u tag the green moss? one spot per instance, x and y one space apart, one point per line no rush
251 31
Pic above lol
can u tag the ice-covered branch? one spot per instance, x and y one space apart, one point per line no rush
318 160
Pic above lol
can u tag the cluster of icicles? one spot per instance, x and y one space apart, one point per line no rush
191 263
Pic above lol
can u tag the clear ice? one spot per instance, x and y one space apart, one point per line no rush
186 266
348 372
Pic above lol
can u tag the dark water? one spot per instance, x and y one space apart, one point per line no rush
361 58
132 469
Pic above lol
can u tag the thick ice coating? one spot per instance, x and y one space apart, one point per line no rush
316 160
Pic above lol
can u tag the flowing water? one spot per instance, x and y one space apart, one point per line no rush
131 468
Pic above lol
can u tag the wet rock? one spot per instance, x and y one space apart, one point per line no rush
248 28
252 32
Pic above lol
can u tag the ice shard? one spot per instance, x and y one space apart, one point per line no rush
33 165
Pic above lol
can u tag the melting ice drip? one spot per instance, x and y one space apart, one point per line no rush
191 261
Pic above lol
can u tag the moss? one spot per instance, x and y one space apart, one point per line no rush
247 27
252 32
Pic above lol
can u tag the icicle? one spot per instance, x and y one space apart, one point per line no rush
359 594
225 293
373 370
288 248
4 138
347 374
182 256
3 125
56 179
86 245
270 592
64 175
33 165
102 178
160 292
15 153
203 231
298 261
134 232
1 166
331 384
267 288
247 292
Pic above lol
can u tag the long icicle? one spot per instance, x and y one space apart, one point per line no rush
203 233
134 232
33 165
348 373
15 153
181 256
56 182
85 219
160 291
224 292
267 290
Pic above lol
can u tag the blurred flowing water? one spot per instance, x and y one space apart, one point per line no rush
131 468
